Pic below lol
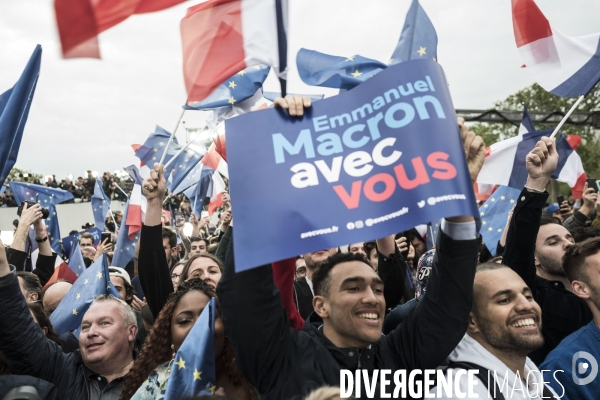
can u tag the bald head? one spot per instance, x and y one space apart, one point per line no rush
54 294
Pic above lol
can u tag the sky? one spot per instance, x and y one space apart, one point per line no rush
86 112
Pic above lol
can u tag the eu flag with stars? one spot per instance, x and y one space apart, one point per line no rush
193 369
418 39
154 147
239 87
53 229
184 164
100 205
320 69
494 214
14 110
43 195
76 262
93 282
195 175
197 193
125 247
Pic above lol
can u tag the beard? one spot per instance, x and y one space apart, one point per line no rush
550 264
504 339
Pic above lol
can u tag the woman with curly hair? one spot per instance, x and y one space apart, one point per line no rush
148 377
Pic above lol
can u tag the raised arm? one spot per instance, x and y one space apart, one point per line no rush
153 268
436 326
255 321
392 269
23 345
525 222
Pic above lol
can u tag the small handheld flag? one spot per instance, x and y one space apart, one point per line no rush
418 38
100 205
92 282
14 110
494 213
193 369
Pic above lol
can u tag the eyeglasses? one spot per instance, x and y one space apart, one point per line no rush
175 276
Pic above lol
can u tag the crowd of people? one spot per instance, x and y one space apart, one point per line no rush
82 189
286 330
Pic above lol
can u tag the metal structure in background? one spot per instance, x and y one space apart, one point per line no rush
514 117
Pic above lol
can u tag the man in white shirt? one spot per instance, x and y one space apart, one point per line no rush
504 326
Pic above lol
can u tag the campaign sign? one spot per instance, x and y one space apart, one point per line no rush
376 160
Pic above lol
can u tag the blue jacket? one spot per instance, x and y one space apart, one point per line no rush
586 339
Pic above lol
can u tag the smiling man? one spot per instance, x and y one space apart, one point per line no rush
93 372
504 326
534 251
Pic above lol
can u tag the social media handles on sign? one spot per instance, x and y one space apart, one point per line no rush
583 363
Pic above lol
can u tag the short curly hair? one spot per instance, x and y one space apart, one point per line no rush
321 277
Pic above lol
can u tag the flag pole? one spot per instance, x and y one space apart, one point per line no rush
283 85
122 191
567 115
162 159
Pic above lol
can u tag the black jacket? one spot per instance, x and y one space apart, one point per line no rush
562 311
283 363
153 270
27 351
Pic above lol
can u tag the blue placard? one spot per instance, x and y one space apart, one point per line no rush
367 163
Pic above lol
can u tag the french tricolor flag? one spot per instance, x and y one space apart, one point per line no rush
223 37
505 162
563 65
217 187
137 203
213 160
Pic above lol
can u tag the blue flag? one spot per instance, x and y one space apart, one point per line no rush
494 213
38 194
154 147
193 370
184 164
197 193
195 175
92 282
239 87
418 39
125 247
320 69
53 229
100 205
76 262
526 123
14 110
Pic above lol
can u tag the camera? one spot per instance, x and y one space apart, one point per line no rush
45 212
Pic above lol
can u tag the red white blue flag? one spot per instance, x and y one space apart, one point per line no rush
563 65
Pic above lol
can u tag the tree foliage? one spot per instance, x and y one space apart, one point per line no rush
538 99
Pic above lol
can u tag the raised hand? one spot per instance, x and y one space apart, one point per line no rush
474 149
541 162
155 185
294 104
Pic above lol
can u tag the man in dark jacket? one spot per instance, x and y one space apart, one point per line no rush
344 332
535 254
94 372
